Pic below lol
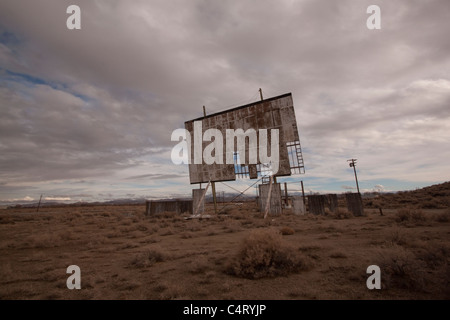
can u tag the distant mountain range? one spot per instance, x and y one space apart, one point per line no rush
441 191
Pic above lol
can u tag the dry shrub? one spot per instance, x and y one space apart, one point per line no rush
156 255
198 265
42 241
397 237
410 215
402 215
140 261
225 210
286 231
167 215
236 213
442 217
151 239
125 230
127 221
341 213
430 203
186 235
194 225
338 255
27 217
6 219
148 258
178 224
170 292
419 215
142 228
67 236
231 226
402 269
309 248
166 232
247 222
264 254
111 235
435 254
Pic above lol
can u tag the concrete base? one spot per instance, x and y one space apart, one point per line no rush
298 205
197 195
275 206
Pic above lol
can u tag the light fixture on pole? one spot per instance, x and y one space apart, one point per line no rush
352 163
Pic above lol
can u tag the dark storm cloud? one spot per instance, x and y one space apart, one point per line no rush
92 102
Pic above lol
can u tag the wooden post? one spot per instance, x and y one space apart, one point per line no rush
268 198
39 204
213 187
303 194
213 184
286 194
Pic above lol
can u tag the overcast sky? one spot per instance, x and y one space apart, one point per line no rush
88 114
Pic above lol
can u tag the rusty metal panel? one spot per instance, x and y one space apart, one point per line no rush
155 207
316 204
274 113
354 204
332 202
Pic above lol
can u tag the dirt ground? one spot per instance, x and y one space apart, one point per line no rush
123 254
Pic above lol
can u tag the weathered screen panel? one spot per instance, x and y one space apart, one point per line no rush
274 113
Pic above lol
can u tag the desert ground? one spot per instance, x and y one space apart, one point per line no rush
124 254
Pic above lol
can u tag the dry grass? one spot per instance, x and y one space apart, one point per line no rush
125 255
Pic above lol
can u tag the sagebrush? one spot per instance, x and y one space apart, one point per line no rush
265 254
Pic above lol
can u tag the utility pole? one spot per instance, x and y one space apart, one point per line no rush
261 96
39 204
353 164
